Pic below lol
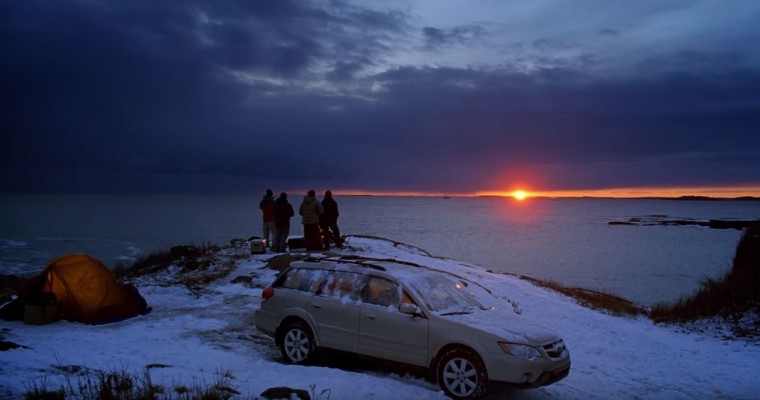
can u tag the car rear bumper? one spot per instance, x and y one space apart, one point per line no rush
265 322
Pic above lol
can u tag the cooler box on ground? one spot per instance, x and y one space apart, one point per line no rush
258 246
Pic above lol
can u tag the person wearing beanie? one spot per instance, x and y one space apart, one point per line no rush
310 211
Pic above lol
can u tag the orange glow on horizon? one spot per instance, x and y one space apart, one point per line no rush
520 194
635 192
674 192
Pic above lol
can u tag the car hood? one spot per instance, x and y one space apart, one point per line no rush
510 328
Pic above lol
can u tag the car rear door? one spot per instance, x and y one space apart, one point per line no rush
384 331
335 308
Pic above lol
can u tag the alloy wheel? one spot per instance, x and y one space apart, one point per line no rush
460 377
296 344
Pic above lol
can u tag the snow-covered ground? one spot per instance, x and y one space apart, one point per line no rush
195 337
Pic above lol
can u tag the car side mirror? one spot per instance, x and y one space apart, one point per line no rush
411 309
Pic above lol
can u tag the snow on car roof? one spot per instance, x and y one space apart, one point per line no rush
400 269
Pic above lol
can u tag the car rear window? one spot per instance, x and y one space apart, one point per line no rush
299 279
341 284
338 284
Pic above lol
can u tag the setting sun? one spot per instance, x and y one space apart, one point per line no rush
520 195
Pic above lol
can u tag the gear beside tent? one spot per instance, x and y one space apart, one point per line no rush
83 289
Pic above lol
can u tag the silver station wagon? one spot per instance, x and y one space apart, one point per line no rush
407 313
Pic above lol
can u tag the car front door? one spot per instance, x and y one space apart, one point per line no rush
384 331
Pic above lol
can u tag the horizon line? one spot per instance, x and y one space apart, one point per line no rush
713 192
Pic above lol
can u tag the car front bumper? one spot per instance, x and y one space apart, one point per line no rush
525 373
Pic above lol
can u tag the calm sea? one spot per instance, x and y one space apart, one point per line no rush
566 240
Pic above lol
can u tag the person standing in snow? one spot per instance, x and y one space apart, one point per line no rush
267 209
310 211
329 221
282 213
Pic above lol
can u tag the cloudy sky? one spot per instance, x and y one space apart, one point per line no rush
433 96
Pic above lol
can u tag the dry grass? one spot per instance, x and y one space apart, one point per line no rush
8 285
730 297
192 266
187 258
85 384
597 300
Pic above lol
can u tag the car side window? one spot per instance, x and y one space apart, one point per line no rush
288 279
305 280
343 285
381 292
405 298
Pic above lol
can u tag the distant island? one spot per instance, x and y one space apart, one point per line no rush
712 223
706 198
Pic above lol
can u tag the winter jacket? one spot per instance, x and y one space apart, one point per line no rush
282 213
331 209
267 208
310 210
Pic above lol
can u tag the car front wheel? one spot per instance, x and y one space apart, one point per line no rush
462 375
297 344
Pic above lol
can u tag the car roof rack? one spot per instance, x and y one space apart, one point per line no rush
347 260
367 259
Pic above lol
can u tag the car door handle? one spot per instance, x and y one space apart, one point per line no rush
372 317
316 306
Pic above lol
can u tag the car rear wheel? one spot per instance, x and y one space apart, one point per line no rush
462 375
297 344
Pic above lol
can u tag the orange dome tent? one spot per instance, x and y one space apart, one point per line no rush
85 289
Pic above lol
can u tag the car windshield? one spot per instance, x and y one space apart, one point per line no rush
444 296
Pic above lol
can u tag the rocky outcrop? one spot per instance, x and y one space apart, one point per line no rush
655 220
283 392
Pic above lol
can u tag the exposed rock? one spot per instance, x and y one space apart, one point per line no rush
242 279
622 223
665 221
283 392
732 224
282 261
4 346
183 251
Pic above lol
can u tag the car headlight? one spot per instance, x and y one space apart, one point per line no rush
520 350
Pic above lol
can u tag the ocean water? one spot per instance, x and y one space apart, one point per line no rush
565 240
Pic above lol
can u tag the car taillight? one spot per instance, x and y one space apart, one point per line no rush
267 293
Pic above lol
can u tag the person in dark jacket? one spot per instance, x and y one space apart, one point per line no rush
329 221
282 213
310 211
267 211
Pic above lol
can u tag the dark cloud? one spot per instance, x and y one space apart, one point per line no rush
610 32
513 120
460 35
235 96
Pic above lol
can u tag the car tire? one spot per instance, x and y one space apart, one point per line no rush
462 375
297 343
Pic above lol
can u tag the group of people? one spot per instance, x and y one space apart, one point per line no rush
319 219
